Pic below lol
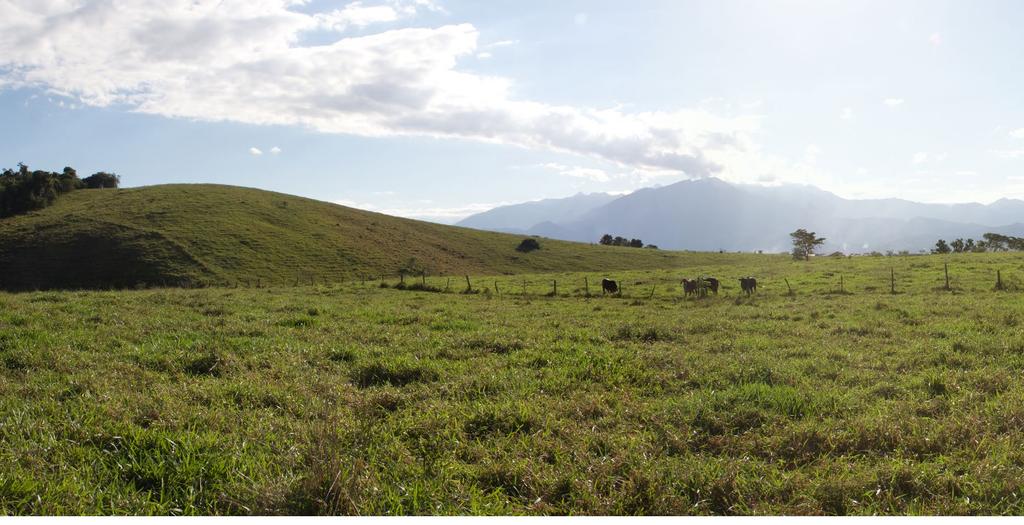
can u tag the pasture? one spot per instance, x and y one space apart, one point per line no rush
353 398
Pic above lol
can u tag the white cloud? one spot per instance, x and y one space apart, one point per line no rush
847 114
275 150
255 151
935 39
358 14
244 61
893 102
502 43
1009 153
811 153
593 174
433 213
581 19
1017 133
919 158
484 55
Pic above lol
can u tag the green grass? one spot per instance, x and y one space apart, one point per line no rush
205 234
356 399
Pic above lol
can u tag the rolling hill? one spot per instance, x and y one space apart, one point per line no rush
210 234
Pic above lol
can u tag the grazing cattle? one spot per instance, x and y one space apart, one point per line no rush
689 287
609 286
712 284
748 284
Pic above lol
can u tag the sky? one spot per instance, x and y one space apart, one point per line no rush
438 109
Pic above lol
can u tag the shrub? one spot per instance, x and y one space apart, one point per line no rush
528 245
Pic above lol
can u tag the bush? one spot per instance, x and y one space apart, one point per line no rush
101 180
528 245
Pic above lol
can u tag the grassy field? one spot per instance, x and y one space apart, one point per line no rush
358 399
205 234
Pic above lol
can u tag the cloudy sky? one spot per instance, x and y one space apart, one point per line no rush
441 108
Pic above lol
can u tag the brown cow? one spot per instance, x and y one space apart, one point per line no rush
689 287
609 286
748 284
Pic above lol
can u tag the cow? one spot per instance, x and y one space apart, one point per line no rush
609 286
689 287
712 284
748 284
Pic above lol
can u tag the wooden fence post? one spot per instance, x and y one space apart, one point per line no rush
586 285
447 284
842 289
496 290
945 267
892 280
788 287
524 287
423 278
554 289
999 280
652 292
469 286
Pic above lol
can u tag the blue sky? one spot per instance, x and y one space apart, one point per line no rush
439 108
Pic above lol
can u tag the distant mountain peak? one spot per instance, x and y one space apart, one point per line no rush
712 214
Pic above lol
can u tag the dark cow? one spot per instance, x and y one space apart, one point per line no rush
712 284
748 284
609 286
689 287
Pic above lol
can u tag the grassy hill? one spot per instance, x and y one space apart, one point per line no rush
212 234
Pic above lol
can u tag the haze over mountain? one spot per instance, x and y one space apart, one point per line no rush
518 218
710 214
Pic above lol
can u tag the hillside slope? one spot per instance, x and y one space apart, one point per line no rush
211 234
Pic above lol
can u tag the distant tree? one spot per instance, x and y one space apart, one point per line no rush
636 243
528 245
620 241
969 246
101 180
957 246
411 267
68 180
804 243
996 242
941 247
23 190
607 240
652 246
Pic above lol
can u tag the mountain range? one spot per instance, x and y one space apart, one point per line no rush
711 214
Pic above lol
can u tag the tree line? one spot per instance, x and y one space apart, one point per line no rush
608 240
23 190
990 242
